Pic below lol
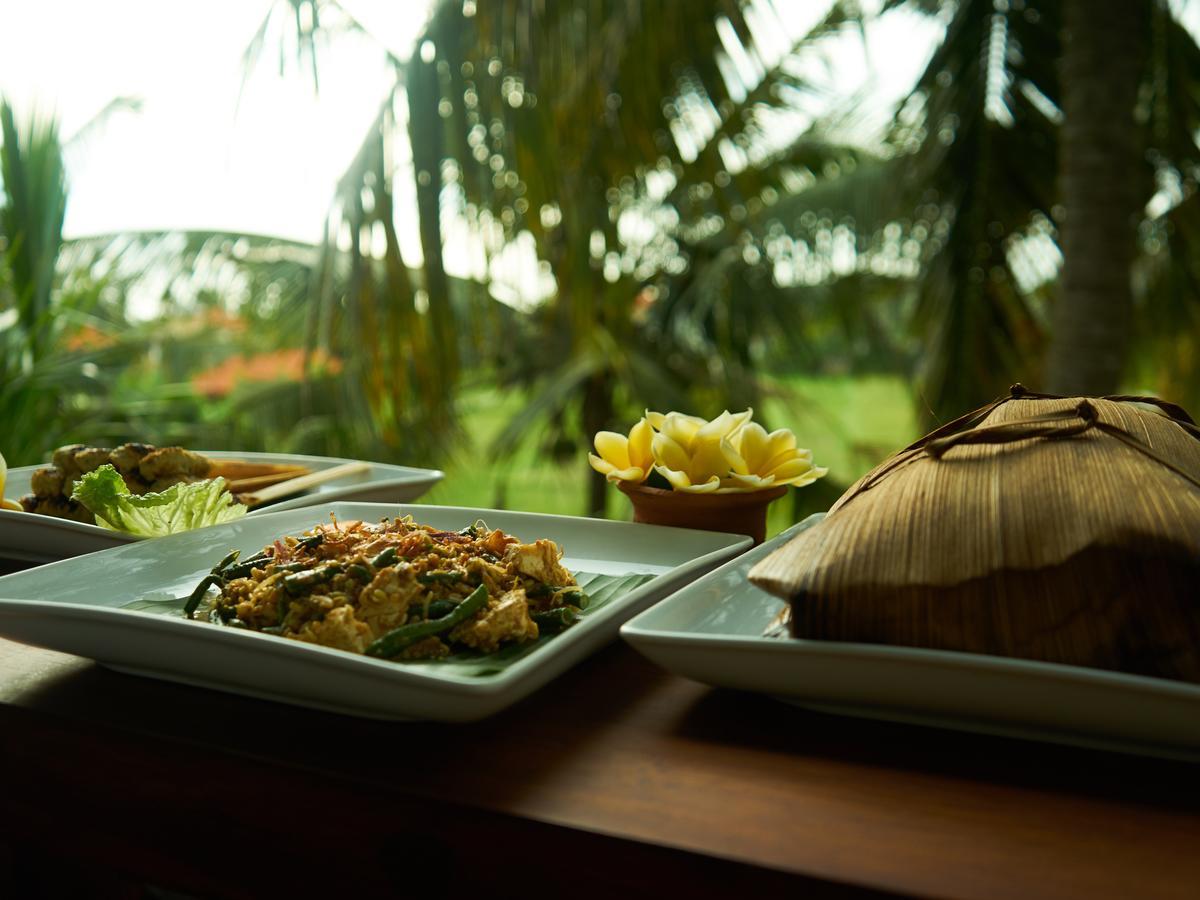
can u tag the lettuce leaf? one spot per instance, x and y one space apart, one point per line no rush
180 507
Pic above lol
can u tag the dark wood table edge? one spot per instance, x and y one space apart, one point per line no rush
450 846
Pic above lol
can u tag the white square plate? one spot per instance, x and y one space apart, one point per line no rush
37 538
74 606
712 630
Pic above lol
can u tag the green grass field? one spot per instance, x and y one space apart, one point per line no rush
850 424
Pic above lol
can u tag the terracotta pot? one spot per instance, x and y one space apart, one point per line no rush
740 513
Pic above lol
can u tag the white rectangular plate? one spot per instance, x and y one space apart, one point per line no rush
712 629
74 606
37 538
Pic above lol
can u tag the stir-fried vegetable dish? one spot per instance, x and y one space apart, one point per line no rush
396 589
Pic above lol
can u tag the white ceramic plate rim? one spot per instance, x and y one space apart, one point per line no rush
1026 668
481 685
399 476
645 633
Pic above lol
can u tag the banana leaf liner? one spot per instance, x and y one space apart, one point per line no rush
1065 530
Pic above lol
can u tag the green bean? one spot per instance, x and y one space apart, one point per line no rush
547 590
439 608
555 620
281 608
362 573
201 589
230 559
246 566
313 540
302 581
242 570
385 558
442 577
396 640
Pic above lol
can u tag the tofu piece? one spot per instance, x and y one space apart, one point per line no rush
383 604
64 457
128 457
168 462
340 629
91 458
506 618
540 560
59 507
75 460
47 482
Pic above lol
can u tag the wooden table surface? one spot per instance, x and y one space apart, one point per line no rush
619 777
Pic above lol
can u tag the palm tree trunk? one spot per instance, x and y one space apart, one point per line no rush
1100 179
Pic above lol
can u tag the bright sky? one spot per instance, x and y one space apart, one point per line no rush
191 158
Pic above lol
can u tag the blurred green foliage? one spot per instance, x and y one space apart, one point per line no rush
702 240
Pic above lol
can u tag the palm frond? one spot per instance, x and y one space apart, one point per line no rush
34 183
977 143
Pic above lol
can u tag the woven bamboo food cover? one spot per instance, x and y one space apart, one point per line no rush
1058 529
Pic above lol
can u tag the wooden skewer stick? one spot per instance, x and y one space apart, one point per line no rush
237 469
257 482
303 483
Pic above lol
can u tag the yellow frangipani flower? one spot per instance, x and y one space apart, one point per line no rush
768 460
623 458
729 454
676 426
694 455
6 504
697 471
